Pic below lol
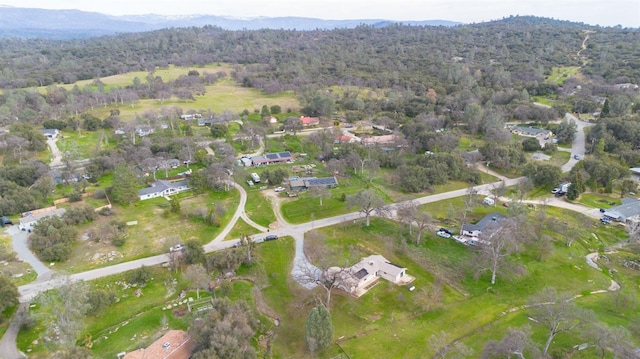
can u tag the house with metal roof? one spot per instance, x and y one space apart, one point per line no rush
269 158
175 344
30 219
305 183
162 188
474 230
628 211
50 133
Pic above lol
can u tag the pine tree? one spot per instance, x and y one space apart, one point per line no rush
319 329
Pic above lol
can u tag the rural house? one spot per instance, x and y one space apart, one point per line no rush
474 230
269 158
309 121
362 276
305 183
50 133
162 188
531 132
176 344
628 211
30 219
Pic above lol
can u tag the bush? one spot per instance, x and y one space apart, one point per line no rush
75 196
99 194
140 276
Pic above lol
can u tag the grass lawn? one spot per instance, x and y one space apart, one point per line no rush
223 95
155 226
241 228
85 143
259 209
599 200
560 74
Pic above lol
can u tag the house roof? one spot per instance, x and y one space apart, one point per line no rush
629 208
309 120
32 218
532 130
313 182
272 157
161 185
373 264
379 139
175 344
49 131
635 170
483 223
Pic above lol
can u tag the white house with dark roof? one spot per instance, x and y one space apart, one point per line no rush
162 188
50 133
362 276
531 131
30 219
474 230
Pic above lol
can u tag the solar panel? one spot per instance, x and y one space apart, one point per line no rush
272 156
285 154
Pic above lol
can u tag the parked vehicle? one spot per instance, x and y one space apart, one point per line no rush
271 237
279 189
255 177
605 220
446 230
176 248
250 183
443 234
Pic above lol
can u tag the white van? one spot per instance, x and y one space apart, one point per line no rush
255 177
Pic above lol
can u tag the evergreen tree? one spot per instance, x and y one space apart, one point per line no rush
605 109
125 185
319 329
8 292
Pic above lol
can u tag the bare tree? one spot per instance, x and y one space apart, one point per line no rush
197 275
67 307
373 167
469 203
367 202
514 343
443 347
498 190
406 211
320 192
422 220
558 313
607 339
496 243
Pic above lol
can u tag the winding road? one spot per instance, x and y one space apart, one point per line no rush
48 279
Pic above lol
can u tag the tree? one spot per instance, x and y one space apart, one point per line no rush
531 144
627 186
406 211
566 131
140 276
498 190
422 220
542 174
443 347
497 242
198 277
67 305
194 252
225 331
367 202
219 130
293 124
318 330
320 192
515 343
8 292
125 185
557 312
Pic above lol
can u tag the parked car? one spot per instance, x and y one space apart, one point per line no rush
271 237
237 244
555 190
258 240
250 183
443 234
605 220
177 247
446 230
577 157
602 210
279 189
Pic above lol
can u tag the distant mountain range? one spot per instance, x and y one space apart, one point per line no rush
65 24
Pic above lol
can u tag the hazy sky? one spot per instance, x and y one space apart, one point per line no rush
601 12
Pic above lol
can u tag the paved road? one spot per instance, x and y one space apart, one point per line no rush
19 241
8 349
578 147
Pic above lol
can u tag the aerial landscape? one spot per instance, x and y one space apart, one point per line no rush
338 180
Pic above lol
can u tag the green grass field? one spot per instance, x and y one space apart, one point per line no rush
155 226
560 74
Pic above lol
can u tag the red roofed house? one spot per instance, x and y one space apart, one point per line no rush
309 121
176 344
